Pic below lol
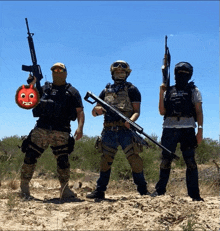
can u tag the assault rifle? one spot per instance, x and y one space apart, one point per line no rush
35 68
133 126
166 65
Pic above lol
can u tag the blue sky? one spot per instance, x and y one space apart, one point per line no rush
88 36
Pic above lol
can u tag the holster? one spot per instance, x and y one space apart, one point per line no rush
71 144
25 143
137 146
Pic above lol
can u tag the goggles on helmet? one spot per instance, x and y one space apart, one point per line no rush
183 71
59 70
118 64
183 67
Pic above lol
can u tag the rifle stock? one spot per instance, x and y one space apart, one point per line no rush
134 127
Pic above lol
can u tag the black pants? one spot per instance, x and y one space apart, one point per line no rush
187 139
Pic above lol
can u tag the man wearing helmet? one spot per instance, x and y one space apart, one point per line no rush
181 106
59 104
126 98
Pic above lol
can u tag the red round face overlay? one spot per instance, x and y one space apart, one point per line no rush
27 97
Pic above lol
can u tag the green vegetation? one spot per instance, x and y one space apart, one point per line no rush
86 157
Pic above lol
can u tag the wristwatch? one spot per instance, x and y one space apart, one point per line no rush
200 126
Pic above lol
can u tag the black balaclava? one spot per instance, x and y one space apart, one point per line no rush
181 80
183 72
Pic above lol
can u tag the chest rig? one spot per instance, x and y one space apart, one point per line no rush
117 96
178 103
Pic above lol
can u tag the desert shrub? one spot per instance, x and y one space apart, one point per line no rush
10 156
121 168
207 150
47 164
151 161
87 157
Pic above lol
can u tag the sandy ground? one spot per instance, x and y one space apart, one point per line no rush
123 209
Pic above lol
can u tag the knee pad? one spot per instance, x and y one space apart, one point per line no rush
63 162
31 156
191 163
107 157
136 163
106 162
165 164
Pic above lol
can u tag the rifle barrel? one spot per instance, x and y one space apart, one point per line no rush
27 27
165 44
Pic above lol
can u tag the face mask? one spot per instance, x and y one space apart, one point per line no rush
59 78
181 80
120 77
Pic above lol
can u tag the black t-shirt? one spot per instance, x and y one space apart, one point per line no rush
133 93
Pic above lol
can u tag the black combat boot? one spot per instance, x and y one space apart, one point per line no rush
96 195
198 199
141 183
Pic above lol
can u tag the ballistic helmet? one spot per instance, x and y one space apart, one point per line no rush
183 68
120 64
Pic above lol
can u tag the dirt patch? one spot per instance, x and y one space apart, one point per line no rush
123 209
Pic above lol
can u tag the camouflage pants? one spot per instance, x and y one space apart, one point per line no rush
40 139
43 138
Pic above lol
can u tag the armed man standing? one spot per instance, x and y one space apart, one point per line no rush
60 103
125 97
181 106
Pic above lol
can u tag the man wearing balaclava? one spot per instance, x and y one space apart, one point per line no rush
60 103
125 97
181 106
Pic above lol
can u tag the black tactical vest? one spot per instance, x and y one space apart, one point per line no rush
56 104
178 103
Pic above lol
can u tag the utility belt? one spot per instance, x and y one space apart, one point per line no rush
115 125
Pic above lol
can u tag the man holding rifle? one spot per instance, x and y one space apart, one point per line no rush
60 103
181 106
125 97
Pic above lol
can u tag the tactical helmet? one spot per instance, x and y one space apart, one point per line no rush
184 67
120 64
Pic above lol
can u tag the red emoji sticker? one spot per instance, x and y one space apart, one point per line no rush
27 97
